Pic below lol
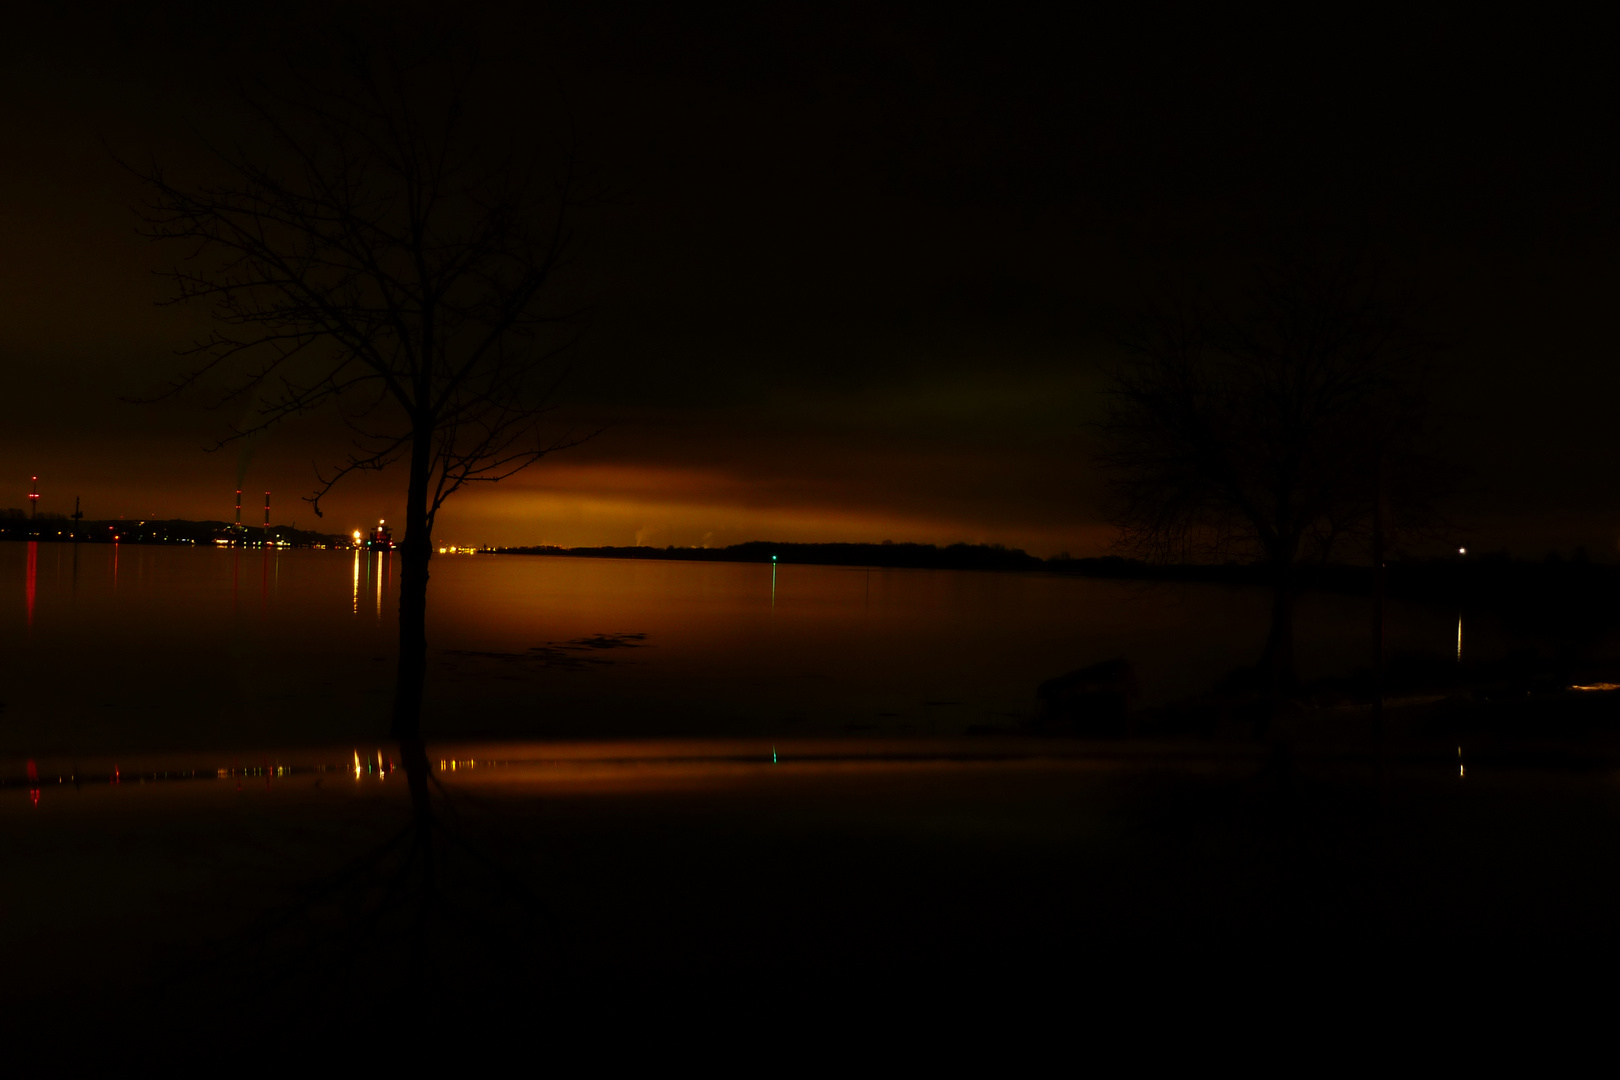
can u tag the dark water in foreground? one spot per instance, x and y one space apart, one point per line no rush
604 892
743 815
119 649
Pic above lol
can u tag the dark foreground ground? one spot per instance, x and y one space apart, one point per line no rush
1049 888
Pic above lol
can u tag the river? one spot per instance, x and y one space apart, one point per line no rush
134 648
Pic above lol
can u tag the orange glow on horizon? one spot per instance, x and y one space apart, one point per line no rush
611 505
576 502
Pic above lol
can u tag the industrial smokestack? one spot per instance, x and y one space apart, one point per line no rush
239 506
267 510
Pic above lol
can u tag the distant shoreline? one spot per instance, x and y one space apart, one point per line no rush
907 556
931 557
175 532
1563 598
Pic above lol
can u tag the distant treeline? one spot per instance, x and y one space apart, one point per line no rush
174 531
1440 577
916 556
919 556
1557 598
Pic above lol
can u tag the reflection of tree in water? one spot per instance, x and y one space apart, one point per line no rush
438 922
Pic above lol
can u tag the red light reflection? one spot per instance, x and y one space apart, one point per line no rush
33 568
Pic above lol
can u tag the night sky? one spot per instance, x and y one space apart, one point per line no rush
866 260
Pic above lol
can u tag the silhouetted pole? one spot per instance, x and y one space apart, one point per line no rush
1380 512
77 514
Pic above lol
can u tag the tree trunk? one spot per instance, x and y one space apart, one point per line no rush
414 554
1277 665
1278 661
1380 522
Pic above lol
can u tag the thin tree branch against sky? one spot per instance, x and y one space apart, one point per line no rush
1260 422
391 253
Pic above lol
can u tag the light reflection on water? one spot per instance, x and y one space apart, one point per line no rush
625 767
606 766
32 573
101 659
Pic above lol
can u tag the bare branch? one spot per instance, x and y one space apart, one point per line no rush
1255 427
379 256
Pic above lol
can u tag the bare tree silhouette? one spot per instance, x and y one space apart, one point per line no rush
1276 425
390 248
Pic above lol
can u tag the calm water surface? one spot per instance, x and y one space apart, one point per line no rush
123 648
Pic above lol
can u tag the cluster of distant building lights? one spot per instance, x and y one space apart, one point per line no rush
378 539
380 768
